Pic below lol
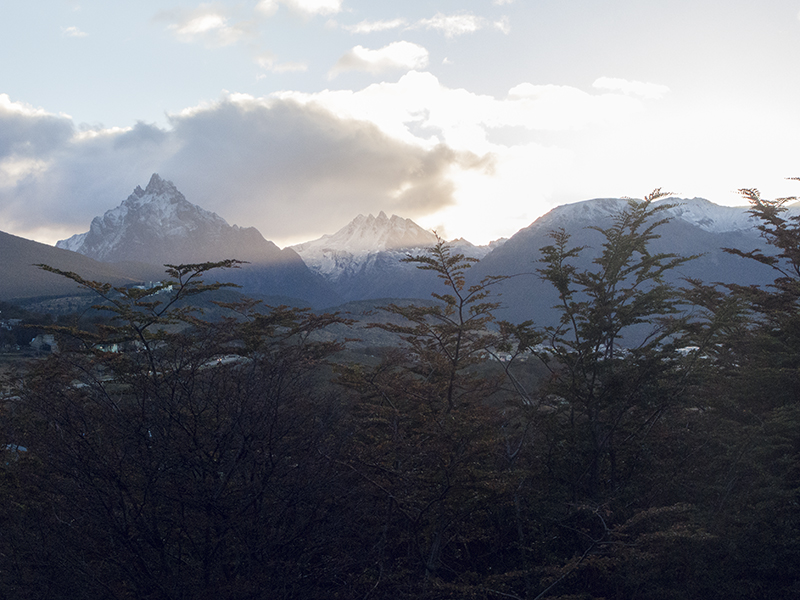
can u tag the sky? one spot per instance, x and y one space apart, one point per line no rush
471 117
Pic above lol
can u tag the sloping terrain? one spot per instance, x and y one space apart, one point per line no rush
20 278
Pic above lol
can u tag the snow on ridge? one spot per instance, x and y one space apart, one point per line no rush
72 243
712 217
160 206
366 234
699 212
357 246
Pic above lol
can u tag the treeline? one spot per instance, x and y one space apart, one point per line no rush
160 455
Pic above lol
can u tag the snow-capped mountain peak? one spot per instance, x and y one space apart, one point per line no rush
157 224
371 234
159 208
366 245
158 192
698 212
364 259
712 217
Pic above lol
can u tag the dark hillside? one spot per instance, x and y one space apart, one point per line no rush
19 278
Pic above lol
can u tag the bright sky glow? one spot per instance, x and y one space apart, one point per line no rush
472 117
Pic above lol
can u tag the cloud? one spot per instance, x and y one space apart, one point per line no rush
268 62
298 165
30 133
520 177
66 173
372 26
635 88
503 25
287 168
218 25
460 24
284 166
420 110
30 139
207 24
450 25
397 55
73 32
305 7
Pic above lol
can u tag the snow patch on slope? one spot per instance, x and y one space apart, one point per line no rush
354 247
159 209
698 212
370 244
371 234
713 217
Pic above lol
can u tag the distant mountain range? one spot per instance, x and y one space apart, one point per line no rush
361 261
697 227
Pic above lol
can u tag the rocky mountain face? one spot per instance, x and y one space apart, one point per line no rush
368 234
363 260
157 226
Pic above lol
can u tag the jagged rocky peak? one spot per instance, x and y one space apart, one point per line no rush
156 188
471 250
366 234
384 233
156 185
162 203
158 224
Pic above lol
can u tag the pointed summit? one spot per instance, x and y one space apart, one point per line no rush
158 225
159 191
160 187
363 258
364 235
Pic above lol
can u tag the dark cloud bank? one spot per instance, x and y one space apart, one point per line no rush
286 168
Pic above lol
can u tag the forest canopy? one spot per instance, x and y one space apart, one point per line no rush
165 454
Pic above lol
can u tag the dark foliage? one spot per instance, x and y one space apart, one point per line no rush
164 454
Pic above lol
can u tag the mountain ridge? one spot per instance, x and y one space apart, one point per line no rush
363 260
700 212
697 227
158 225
